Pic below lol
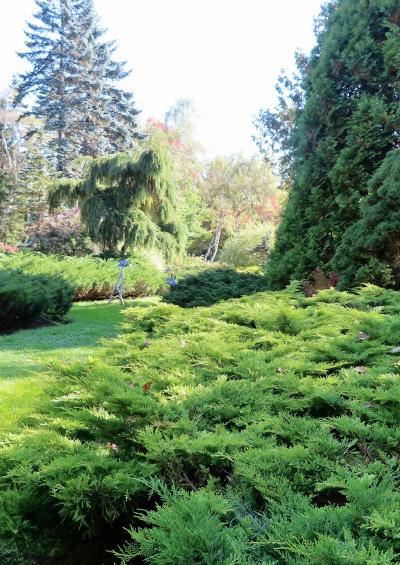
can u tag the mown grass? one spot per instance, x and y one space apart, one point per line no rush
26 356
262 430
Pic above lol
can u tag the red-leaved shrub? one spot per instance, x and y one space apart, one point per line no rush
7 248
319 281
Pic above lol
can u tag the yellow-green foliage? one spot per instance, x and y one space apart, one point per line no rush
263 430
92 278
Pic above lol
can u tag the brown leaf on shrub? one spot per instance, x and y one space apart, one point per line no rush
319 281
146 387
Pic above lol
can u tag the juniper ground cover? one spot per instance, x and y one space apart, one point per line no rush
261 430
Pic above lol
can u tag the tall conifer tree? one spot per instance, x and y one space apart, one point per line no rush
73 79
346 124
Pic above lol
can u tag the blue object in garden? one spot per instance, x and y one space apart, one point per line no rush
171 281
123 263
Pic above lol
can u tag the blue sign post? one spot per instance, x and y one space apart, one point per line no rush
119 288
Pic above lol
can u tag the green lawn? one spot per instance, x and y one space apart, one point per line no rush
26 355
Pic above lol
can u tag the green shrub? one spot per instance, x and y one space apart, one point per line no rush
263 430
198 534
249 246
92 278
214 285
28 300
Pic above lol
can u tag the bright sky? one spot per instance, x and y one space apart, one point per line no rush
224 54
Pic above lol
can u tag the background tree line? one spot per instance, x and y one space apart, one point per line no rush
69 134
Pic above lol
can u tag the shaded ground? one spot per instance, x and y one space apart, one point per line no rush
25 355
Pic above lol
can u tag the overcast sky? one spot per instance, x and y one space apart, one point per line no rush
224 54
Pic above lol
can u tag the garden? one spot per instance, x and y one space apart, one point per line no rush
200 356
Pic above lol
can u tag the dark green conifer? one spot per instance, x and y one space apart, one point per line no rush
346 124
73 83
127 201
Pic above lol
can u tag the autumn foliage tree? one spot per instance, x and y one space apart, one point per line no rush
238 190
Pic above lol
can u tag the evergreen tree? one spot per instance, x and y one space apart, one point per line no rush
127 201
109 114
73 81
345 125
23 172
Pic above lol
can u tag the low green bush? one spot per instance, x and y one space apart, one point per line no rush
259 431
213 285
92 278
28 300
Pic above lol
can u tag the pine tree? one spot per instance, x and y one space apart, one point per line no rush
109 115
345 126
73 80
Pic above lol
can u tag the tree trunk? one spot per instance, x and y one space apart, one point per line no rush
213 247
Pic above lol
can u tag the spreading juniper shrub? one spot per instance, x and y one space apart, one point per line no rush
32 300
213 285
215 441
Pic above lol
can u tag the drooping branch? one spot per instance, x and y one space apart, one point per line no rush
127 201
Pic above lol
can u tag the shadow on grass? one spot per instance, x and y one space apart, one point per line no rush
33 350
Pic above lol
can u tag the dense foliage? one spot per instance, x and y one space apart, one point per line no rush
72 81
28 300
238 191
249 246
341 213
91 278
127 201
263 430
60 234
213 285
24 170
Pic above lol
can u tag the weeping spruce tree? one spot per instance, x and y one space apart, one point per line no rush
343 211
127 201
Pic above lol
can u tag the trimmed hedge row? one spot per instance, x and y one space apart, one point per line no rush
92 278
28 300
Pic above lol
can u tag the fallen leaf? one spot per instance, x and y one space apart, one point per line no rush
279 370
182 343
112 446
362 336
146 387
360 369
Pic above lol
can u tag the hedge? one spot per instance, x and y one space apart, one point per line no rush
92 278
28 300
